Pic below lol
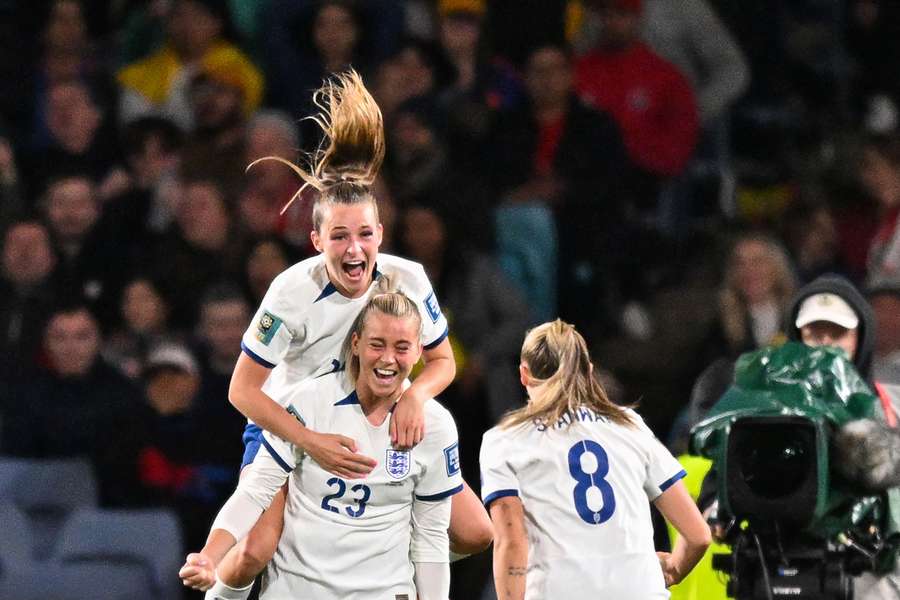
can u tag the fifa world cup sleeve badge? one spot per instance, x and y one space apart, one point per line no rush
267 327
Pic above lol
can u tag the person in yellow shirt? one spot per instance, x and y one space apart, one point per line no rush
195 43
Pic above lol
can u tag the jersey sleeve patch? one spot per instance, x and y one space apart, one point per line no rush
432 307
451 459
267 327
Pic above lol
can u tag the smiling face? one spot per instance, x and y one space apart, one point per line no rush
349 237
387 348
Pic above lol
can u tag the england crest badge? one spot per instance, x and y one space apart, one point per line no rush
397 463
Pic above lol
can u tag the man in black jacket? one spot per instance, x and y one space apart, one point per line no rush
557 151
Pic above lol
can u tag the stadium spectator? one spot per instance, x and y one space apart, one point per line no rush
421 170
223 94
885 301
78 405
26 295
483 83
880 175
197 35
307 41
12 201
486 314
81 138
757 286
91 265
418 69
556 151
267 258
145 209
811 235
269 186
690 36
201 250
224 314
144 313
67 53
650 99
191 478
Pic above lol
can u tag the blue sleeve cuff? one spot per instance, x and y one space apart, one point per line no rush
256 357
440 496
439 339
281 462
671 480
499 494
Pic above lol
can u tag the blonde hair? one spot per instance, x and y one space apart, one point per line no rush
344 167
390 303
559 362
733 307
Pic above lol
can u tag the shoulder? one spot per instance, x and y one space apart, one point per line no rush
317 393
401 271
438 418
303 279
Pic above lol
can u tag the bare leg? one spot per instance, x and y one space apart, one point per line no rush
470 526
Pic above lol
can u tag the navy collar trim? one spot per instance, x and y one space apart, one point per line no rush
351 399
331 288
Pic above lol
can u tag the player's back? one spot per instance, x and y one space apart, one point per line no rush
585 485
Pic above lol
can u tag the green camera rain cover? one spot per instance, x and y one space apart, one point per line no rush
819 384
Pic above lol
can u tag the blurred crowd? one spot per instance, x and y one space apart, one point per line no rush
664 175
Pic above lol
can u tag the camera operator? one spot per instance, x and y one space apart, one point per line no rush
829 311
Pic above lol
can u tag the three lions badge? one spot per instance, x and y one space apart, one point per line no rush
397 463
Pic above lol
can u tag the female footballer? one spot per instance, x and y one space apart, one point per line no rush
567 480
306 314
380 536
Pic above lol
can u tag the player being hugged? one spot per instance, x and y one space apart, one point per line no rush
567 480
352 539
306 315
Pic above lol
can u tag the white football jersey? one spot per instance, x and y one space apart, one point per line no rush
301 324
350 539
584 483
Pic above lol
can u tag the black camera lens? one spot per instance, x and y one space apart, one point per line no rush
777 464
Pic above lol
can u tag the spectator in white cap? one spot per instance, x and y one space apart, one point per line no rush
831 311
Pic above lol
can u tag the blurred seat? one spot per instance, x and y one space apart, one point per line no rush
148 539
48 580
47 491
16 547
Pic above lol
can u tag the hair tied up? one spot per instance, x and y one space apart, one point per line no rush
353 145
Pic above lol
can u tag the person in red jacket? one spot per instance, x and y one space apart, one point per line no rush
652 102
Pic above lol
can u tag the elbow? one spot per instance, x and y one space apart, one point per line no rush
702 539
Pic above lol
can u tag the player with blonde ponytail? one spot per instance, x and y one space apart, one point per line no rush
306 314
567 479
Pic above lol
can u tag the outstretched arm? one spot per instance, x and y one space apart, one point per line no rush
510 547
253 495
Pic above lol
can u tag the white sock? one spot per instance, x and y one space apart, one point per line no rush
222 591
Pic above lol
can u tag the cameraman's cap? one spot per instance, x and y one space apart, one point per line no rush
827 307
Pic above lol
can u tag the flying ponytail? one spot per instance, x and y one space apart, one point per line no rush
346 164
